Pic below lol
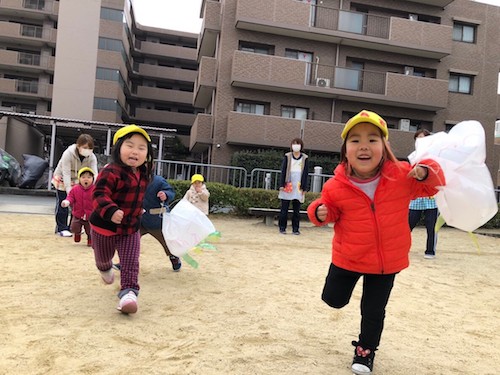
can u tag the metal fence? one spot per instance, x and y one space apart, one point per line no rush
258 178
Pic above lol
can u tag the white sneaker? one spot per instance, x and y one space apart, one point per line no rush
65 233
429 256
108 276
128 303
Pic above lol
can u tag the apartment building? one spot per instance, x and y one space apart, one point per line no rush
273 70
91 61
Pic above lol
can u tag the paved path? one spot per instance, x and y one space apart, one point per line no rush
27 204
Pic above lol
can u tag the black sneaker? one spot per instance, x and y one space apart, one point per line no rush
362 364
176 263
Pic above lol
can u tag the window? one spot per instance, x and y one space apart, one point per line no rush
460 83
256 48
111 44
294 112
111 14
255 108
110 75
464 32
105 104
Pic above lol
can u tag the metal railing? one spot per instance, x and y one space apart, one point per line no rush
259 178
177 170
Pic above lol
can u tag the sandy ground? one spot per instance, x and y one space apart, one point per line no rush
252 307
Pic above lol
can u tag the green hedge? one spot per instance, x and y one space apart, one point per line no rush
238 200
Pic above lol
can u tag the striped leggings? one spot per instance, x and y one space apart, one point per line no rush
128 248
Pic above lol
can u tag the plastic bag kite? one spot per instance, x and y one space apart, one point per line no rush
185 228
468 200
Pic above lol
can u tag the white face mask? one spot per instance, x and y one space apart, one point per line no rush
85 152
296 148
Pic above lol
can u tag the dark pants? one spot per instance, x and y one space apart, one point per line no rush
430 218
77 224
283 218
158 234
62 213
337 292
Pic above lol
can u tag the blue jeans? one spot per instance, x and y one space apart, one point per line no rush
430 218
62 213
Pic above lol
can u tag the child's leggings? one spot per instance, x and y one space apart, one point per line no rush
337 292
128 248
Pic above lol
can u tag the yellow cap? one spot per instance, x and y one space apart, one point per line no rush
85 169
197 177
366 116
130 129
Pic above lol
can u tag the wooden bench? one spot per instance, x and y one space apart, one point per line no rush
270 214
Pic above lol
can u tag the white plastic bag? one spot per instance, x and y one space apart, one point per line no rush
468 200
184 227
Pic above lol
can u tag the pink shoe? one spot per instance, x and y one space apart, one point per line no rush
128 303
108 276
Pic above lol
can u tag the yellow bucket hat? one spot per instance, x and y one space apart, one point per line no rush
197 177
85 169
130 129
366 116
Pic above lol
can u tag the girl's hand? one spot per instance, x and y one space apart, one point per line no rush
162 196
322 212
117 217
418 172
65 203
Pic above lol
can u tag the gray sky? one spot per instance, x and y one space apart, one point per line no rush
182 15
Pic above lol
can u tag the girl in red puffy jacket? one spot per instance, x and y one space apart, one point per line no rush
367 200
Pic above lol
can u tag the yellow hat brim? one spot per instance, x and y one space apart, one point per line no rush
130 129
85 169
366 116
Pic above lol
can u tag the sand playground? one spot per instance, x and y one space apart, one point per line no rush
252 307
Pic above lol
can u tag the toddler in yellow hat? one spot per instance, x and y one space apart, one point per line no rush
198 193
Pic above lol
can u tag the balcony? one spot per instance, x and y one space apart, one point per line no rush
162 50
246 129
26 89
26 62
210 29
201 133
163 72
34 9
163 117
302 20
165 95
37 36
205 82
278 74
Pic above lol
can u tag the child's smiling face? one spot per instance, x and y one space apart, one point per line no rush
86 179
364 149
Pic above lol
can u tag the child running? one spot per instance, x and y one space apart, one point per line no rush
115 221
80 200
367 200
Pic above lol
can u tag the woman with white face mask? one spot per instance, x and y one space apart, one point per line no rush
75 157
294 184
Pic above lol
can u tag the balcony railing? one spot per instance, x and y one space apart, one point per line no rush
266 72
333 25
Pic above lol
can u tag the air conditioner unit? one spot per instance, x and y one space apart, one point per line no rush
404 124
322 82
